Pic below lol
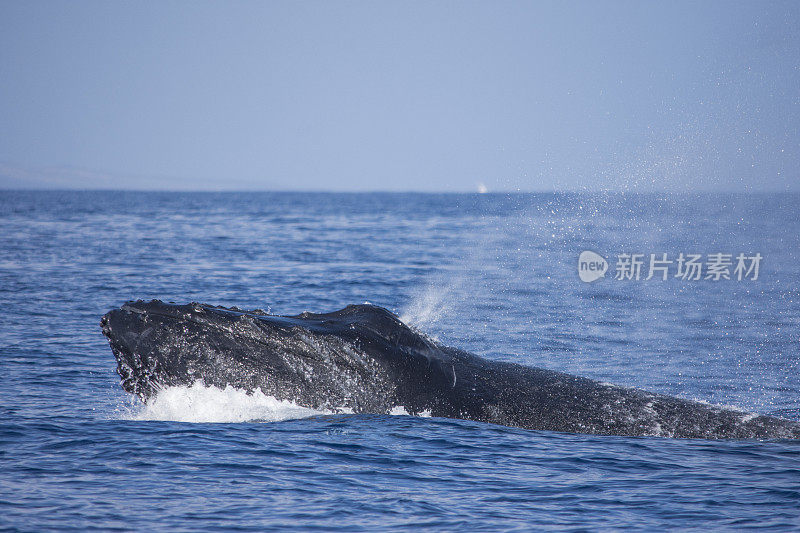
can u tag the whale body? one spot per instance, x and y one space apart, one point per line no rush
364 359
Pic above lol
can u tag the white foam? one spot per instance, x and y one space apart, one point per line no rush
201 403
400 410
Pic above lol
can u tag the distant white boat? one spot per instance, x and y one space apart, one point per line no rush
482 188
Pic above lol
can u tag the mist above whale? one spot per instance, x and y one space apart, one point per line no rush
364 359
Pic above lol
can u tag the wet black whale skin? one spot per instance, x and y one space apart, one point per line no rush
365 359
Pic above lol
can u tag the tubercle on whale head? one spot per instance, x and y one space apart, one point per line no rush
157 307
134 367
365 319
145 339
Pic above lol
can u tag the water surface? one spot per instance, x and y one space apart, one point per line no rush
493 274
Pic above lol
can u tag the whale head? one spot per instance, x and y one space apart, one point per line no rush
361 357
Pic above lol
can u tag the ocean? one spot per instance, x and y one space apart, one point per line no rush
495 274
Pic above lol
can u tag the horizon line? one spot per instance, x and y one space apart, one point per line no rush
399 191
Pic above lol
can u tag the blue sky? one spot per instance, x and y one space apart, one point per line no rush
427 96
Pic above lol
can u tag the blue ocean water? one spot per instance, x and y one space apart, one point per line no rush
493 274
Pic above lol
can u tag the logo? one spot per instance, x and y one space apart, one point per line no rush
686 267
591 266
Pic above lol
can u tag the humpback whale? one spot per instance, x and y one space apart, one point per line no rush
363 359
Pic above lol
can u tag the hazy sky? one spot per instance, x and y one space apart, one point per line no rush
400 95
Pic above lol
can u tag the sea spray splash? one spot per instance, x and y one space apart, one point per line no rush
201 403
432 303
